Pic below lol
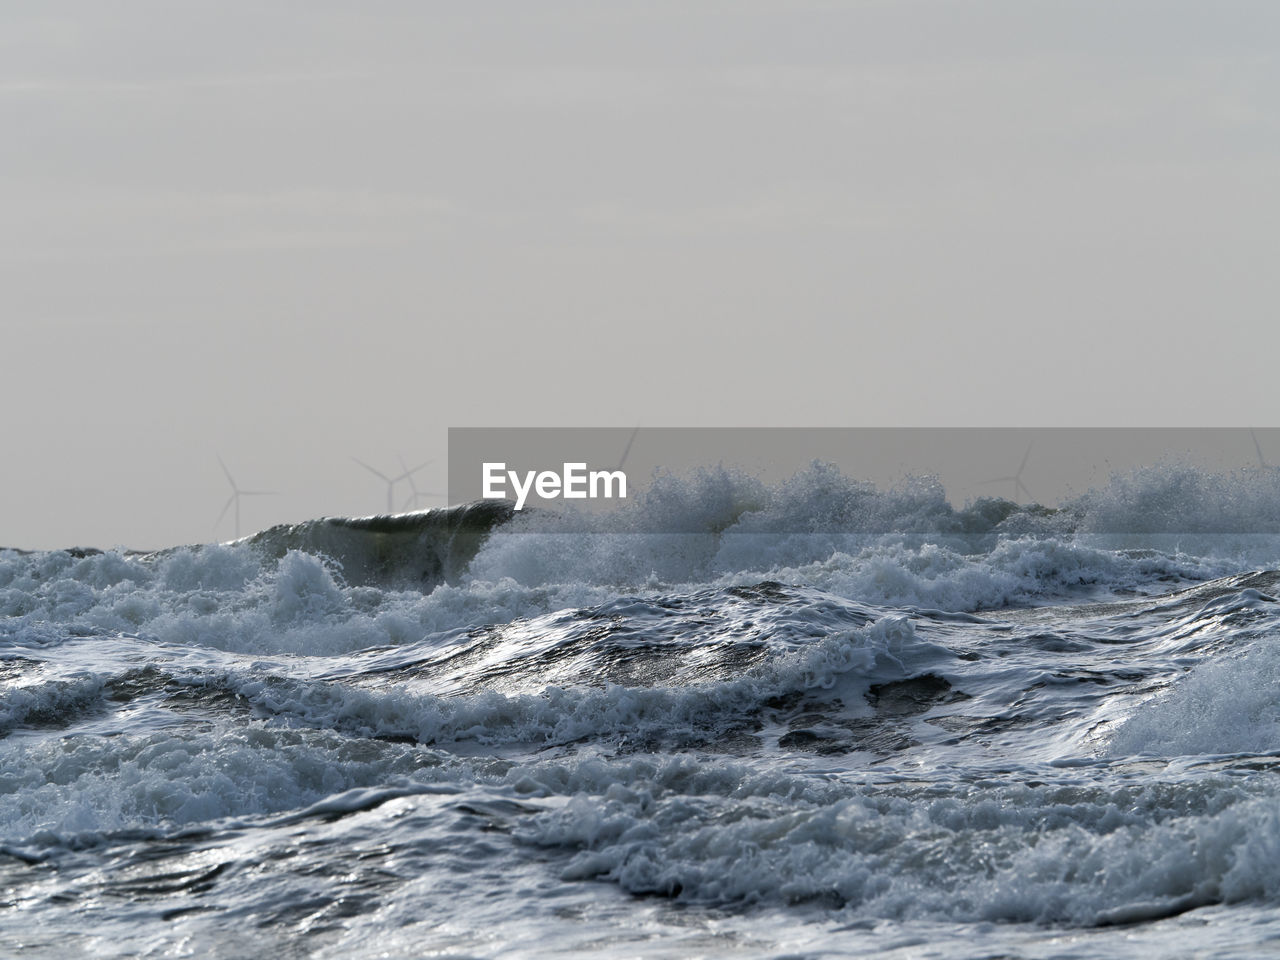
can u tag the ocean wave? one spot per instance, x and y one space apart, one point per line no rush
74 791
1069 852
694 712
1224 705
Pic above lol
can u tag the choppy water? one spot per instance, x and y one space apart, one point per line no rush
993 732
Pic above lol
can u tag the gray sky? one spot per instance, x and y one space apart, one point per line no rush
293 233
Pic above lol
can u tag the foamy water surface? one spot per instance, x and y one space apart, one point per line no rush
828 721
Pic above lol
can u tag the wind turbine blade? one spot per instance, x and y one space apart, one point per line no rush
376 473
1023 488
626 451
409 473
230 500
1023 465
225 471
1257 446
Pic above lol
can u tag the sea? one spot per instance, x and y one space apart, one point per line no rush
813 718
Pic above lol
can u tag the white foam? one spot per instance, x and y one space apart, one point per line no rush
46 702
57 789
1224 706
1070 852
819 528
853 659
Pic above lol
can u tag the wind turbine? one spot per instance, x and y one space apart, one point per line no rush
1016 479
236 494
414 493
390 481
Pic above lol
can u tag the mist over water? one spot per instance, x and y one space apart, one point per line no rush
732 718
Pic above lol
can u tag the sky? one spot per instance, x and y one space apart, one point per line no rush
290 234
